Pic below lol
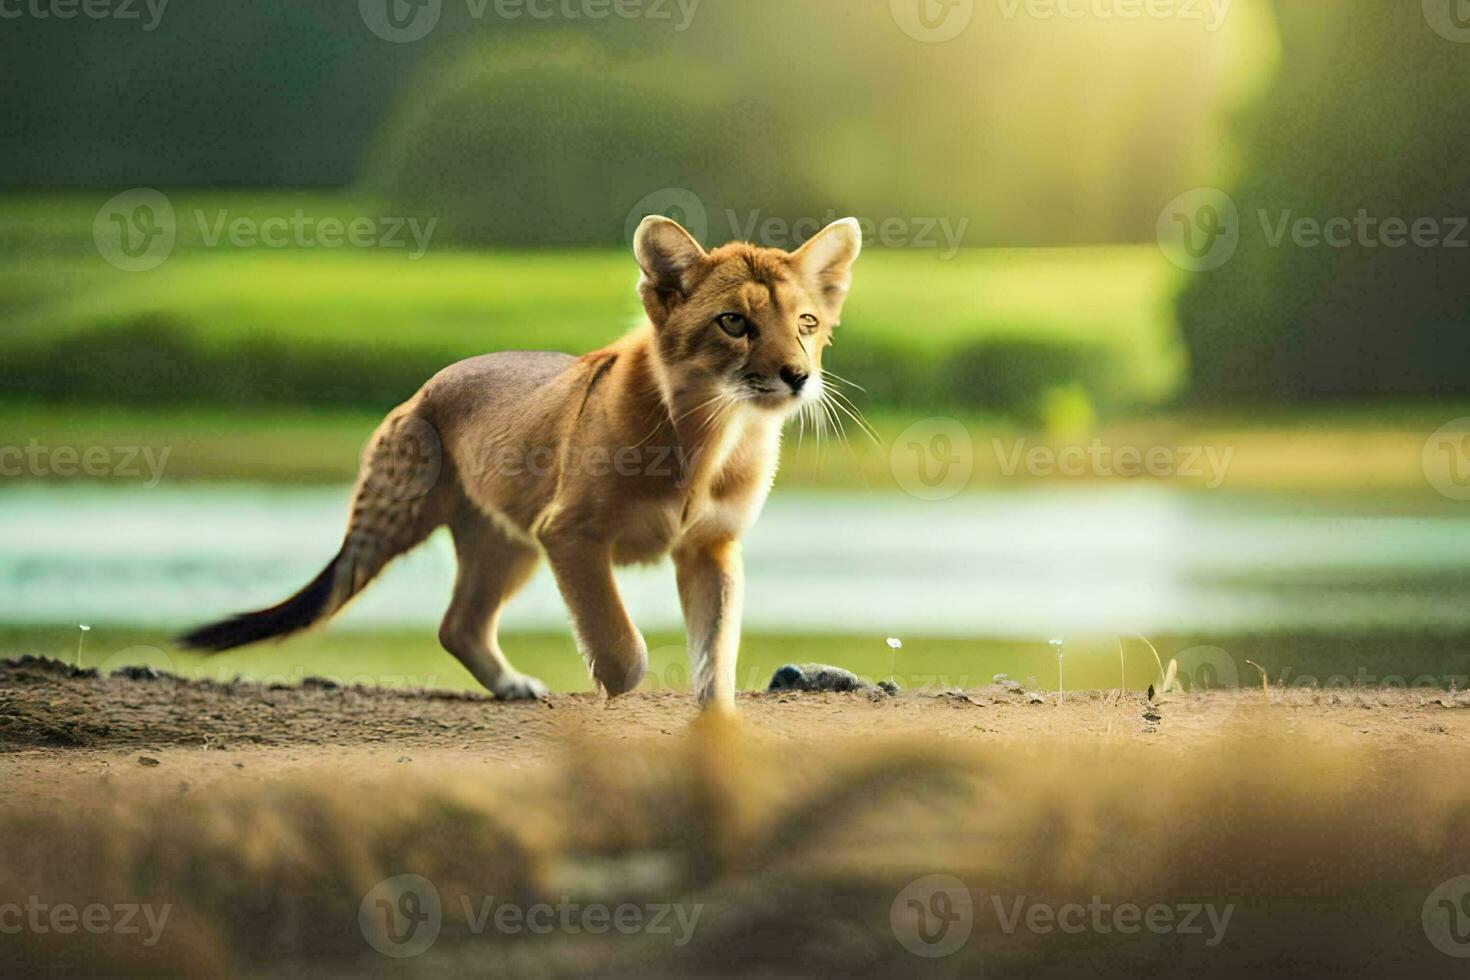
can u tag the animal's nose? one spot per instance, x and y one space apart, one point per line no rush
795 378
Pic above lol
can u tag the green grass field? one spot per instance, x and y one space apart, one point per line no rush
275 364
359 326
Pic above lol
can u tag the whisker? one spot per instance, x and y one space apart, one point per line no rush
718 415
854 413
828 372
837 422
675 421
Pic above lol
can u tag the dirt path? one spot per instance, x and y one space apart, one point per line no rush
66 734
795 831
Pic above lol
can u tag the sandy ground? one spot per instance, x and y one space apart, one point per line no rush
1331 822
66 735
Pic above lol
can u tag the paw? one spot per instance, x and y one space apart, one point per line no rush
518 687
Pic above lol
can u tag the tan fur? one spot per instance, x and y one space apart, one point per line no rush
663 443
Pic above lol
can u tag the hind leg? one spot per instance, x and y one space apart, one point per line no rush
492 567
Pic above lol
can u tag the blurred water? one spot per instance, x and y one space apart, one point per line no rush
1019 564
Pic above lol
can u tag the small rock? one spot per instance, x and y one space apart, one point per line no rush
817 677
404 758
1034 698
147 760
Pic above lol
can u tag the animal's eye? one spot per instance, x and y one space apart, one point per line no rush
808 323
733 324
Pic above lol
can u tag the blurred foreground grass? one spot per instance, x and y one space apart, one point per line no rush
781 856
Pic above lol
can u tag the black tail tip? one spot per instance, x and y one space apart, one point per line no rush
302 610
227 634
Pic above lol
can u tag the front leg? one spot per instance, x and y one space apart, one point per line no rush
711 586
616 654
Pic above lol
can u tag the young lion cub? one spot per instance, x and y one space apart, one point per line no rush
665 442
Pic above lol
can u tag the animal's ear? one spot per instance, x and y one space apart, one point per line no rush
668 255
826 260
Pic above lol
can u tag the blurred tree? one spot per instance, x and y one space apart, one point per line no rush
1020 131
215 93
1367 122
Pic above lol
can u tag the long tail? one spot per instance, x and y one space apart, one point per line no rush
304 609
391 514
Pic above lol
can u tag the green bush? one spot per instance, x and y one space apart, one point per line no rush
157 360
1010 376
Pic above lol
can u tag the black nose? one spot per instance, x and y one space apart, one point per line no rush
794 379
